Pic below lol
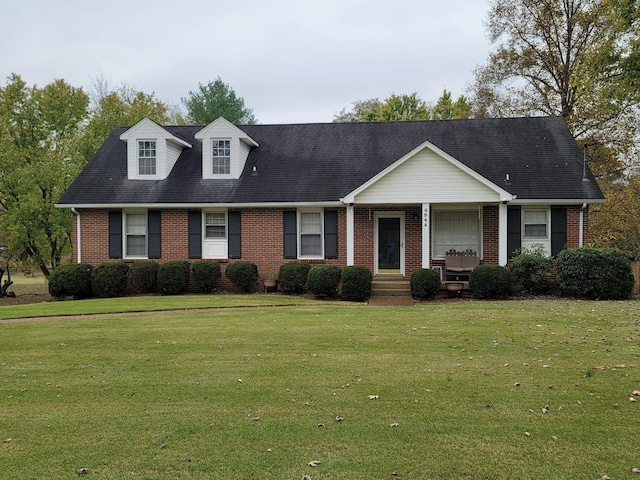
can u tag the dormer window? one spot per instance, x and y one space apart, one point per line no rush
152 150
147 157
221 156
225 149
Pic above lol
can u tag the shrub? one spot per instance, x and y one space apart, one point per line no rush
173 277
292 277
531 273
205 275
595 273
243 274
143 276
109 279
356 283
490 281
323 280
71 281
425 283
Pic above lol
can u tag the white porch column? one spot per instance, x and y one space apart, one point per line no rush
503 255
350 236
426 238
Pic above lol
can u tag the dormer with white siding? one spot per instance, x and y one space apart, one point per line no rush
151 151
225 149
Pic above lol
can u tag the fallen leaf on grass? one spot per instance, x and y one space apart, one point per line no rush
7 440
373 397
313 463
636 393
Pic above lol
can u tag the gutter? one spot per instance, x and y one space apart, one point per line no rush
79 237
581 225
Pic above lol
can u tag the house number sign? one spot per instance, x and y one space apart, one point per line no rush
425 217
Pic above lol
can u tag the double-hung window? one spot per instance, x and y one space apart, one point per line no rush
215 225
456 229
146 157
221 156
311 235
136 234
535 224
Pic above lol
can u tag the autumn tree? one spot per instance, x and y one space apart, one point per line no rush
39 157
217 99
577 59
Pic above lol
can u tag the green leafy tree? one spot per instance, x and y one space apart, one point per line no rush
446 109
39 157
404 107
217 99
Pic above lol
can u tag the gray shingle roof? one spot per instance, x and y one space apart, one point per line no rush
324 162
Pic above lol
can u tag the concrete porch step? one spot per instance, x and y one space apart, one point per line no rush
390 286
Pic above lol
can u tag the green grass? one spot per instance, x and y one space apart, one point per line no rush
176 395
23 284
151 303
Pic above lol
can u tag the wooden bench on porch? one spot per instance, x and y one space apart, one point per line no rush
458 265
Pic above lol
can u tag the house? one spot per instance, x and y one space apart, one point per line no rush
392 196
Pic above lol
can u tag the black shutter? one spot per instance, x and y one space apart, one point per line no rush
235 237
330 234
289 223
155 235
558 230
115 234
514 231
195 234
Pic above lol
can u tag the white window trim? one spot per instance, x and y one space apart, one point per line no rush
220 245
299 234
204 225
159 151
547 211
125 214
211 157
461 207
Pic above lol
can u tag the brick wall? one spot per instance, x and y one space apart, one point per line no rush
262 237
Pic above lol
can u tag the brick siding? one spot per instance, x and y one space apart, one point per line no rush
262 237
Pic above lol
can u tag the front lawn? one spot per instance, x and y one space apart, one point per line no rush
436 390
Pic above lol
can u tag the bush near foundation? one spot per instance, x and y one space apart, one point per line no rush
143 277
205 274
323 281
292 277
425 283
531 273
595 273
109 279
71 281
243 275
490 281
356 283
173 277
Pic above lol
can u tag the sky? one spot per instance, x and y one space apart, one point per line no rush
293 61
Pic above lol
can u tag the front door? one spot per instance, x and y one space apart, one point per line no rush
389 244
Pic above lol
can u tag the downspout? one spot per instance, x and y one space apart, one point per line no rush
78 237
581 233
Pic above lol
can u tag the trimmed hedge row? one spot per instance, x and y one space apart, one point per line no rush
592 273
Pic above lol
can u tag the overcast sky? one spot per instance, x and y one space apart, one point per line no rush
293 61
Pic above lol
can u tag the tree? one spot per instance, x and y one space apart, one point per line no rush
404 107
121 106
39 157
217 99
617 223
577 59
446 109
